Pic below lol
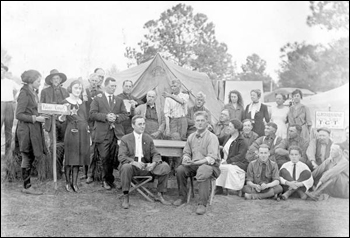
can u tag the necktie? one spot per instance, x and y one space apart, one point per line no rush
198 135
110 100
263 173
294 172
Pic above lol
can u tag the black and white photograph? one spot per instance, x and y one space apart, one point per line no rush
175 118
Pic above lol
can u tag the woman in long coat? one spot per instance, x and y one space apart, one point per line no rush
77 136
29 134
300 115
257 112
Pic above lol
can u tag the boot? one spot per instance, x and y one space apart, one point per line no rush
28 189
68 179
286 195
160 198
75 178
125 203
301 194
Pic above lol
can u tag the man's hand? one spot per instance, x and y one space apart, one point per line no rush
257 187
150 166
139 165
314 165
292 185
186 160
166 94
41 118
264 186
155 134
111 117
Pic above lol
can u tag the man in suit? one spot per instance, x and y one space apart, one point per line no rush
139 157
155 120
107 111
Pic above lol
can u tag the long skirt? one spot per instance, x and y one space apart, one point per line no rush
231 177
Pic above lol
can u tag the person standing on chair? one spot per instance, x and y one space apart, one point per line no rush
77 136
258 112
139 157
133 101
107 111
29 133
200 158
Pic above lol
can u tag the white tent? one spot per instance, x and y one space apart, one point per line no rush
335 100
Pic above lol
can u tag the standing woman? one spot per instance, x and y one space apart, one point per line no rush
29 131
278 115
299 114
235 105
77 136
257 112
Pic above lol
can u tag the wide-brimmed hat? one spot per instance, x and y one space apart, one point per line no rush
55 72
4 67
326 129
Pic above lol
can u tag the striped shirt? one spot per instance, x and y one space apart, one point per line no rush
173 109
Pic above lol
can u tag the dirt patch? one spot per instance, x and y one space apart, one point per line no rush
97 212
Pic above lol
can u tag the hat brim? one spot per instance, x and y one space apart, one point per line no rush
49 77
324 129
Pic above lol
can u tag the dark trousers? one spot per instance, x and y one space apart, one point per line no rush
203 175
305 175
107 151
94 161
127 171
7 116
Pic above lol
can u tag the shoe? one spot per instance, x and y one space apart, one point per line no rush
125 203
311 195
178 202
248 196
160 199
302 195
219 190
68 188
83 177
323 197
89 180
31 191
201 209
75 188
106 185
286 195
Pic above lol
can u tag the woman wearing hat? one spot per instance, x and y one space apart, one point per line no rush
29 133
77 136
54 94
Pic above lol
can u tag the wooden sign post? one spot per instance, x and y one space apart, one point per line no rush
53 110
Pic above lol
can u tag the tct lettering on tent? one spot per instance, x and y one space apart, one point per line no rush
332 120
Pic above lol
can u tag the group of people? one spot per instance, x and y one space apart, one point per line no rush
254 152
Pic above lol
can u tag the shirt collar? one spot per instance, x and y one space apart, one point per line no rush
261 162
107 95
137 135
201 135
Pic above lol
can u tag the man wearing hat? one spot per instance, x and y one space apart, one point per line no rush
269 139
319 148
54 94
9 90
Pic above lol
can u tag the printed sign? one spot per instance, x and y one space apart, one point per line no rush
48 108
332 120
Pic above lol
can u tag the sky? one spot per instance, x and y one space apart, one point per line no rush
77 37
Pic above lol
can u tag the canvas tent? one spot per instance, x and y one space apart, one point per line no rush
157 74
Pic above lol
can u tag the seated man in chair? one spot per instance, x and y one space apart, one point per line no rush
201 158
139 157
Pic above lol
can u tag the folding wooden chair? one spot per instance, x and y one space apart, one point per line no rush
139 186
191 190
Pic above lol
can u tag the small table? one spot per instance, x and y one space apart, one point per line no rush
170 148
